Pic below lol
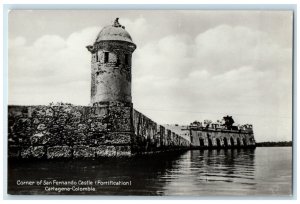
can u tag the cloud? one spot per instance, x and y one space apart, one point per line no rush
225 70
229 47
17 42
138 29
51 68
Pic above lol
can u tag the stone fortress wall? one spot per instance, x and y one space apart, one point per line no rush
221 138
222 134
152 137
66 131
107 130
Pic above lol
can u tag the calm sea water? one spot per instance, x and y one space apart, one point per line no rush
264 171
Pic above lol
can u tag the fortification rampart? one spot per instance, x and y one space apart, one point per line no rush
152 137
221 138
69 131
66 131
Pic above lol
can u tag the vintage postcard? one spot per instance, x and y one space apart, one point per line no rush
150 102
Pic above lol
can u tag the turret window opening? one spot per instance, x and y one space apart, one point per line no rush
106 56
126 59
118 61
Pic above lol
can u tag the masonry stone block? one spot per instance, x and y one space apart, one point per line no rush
38 152
26 152
105 151
40 138
118 138
59 152
123 151
83 152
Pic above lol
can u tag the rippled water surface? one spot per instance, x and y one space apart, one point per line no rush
263 171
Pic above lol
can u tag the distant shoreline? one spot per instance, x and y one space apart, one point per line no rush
274 144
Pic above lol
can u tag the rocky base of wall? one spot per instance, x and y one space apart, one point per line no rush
67 152
66 131
82 152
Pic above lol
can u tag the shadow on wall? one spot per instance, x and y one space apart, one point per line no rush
151 137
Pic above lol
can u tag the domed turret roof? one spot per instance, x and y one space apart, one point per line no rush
114 32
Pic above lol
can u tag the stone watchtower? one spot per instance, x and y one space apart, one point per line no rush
111 90
111 66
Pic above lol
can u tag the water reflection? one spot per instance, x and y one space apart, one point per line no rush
208 172
223 165
144 173
197 172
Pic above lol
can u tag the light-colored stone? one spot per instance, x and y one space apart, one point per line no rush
59 152
83 152
105 151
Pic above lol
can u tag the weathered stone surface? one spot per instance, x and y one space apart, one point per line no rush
26 152
111 71
118 138
18 111
66 131
123 151
151 137
38 152
121 125
59 152
41 138
83 152
105 151
98 126
55 124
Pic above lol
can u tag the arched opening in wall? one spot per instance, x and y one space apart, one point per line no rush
209 143
238 142
245 141
201 141
218 142
231 141
225 142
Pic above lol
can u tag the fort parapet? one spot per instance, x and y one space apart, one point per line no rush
221 138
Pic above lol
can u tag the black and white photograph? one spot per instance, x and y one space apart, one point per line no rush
150 102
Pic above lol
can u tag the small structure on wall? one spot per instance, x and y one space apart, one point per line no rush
222 134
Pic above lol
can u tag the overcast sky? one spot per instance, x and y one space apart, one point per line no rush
188 65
